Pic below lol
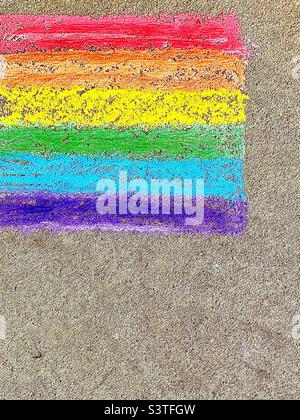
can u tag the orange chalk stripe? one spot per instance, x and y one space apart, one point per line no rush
164 70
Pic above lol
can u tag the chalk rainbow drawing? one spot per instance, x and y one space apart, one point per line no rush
82 99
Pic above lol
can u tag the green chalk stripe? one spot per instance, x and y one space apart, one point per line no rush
204 142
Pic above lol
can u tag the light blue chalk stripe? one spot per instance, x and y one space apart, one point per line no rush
68 174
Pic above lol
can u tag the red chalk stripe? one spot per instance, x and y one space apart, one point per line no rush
21 33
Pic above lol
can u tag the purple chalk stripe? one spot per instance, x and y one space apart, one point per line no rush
57 213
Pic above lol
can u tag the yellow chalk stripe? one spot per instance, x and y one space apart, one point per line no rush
98 107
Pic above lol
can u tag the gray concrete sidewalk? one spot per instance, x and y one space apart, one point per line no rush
108 316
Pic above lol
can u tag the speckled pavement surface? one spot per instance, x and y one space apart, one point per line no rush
127 316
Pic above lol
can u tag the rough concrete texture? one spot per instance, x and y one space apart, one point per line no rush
117 316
